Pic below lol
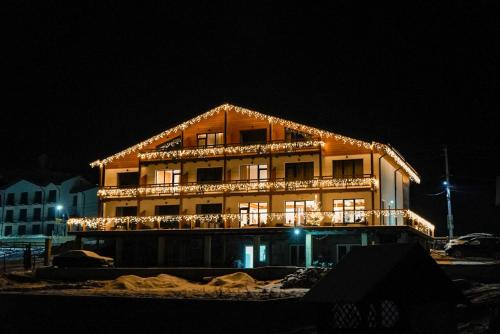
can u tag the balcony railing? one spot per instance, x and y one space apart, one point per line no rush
261 220
231 149
244 186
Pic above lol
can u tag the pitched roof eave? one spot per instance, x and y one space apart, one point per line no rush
272 120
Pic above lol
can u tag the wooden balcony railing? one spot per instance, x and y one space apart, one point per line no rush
230 149
260 220
240 186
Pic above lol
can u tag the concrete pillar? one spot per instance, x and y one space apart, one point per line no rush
364 239
78 242
256 251
207 254
161 252
48 251
118 251
308 249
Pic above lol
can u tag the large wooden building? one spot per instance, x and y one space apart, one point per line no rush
235 187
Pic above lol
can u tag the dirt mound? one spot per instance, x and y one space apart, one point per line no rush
304 278
133 282
3 281
234 280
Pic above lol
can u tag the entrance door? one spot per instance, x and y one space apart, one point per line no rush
248 256
297 255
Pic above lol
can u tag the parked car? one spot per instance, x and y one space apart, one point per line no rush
82 258
483 246
464 238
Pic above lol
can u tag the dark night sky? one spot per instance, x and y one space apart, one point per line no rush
85 80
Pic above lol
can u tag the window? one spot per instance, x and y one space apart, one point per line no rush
37 214
168 176
8 230
294 135
10 199
253 213
75 200
21 230
209 175
38 197
125 211
349 211
208 208
9 216
249 137
210 139
295 211
299 171
347 168
172 144
253 172
167 210
35 229
128 179
52 196
24 198
23 215
51 213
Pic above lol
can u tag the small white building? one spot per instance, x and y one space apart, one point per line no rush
34 208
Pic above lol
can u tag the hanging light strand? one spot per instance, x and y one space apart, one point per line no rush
237 187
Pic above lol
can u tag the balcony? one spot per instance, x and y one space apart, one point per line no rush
231 150
245 186
319 219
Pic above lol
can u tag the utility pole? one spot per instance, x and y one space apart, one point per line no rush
448 194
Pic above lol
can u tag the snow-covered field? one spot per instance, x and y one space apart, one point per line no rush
476 318
233 286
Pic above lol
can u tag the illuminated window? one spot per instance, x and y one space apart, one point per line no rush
295 211
253 213
349 211
168 176
253 172
210 139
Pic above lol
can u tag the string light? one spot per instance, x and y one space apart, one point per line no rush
237 187
271 120
203 152
231 219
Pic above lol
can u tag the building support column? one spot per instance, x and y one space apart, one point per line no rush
207 254
308 249
48 251
118 251
78 242
161 252
364 239
256 251
270 251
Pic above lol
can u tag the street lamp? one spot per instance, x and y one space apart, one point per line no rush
60 209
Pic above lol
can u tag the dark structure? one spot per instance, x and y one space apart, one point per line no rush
394 288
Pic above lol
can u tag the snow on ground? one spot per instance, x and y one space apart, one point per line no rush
238 285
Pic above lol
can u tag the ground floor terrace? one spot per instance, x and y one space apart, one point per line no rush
241 247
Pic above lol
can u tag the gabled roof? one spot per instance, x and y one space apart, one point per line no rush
403 272
272 120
